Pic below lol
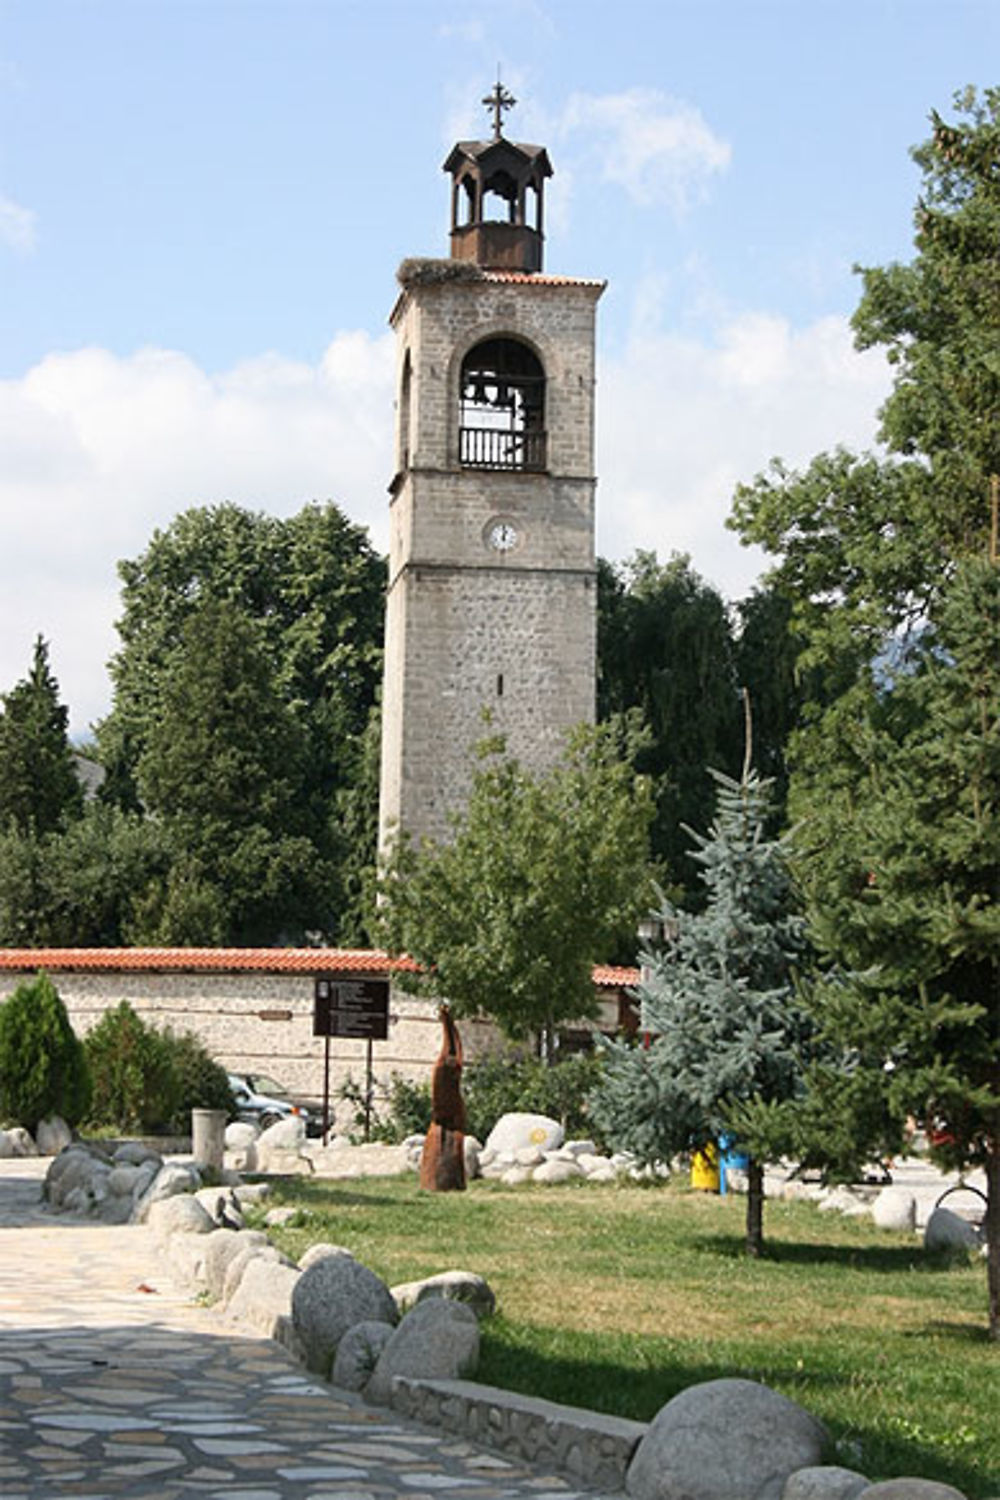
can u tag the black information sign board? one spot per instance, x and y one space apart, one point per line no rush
352 1008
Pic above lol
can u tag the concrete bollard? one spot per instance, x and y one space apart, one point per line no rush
208 1137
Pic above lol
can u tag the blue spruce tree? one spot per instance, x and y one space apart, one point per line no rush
725 1031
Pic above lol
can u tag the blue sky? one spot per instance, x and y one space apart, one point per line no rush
203 203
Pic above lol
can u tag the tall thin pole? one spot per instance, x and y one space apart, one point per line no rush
326 1086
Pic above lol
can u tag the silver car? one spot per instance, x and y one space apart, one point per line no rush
263 1101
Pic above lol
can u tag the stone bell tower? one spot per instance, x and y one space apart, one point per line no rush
492 583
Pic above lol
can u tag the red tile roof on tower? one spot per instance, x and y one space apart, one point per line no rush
540 278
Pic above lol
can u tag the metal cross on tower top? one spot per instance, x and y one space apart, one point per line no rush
499 100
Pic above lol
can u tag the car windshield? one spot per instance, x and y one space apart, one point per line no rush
261 1084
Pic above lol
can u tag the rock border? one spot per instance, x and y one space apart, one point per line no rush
201 1232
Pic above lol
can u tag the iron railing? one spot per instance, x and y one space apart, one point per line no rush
490 448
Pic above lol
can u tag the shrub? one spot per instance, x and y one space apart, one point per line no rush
201 1082
43 1069
497 1084
406 1110
135 1086
503 1083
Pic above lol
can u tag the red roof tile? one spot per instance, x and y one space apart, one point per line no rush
268 960
228 960
538 278
613 976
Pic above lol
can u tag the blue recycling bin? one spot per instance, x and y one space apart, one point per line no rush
729 1159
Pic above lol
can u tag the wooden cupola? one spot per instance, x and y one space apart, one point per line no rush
496 197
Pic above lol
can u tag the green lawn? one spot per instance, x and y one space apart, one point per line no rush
618 1297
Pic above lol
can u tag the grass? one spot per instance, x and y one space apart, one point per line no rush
616 1298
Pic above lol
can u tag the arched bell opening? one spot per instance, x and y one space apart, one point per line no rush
502 407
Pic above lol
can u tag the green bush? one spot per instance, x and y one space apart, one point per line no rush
407 1110
497 1084
502 1083
148 1080
43 1070
202 1083
135 1085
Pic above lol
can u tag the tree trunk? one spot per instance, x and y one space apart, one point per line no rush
755 1207
993 1235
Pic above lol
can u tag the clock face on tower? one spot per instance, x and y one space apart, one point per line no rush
502 536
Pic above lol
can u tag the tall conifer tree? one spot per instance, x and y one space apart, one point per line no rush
887 564
719 1006
39 787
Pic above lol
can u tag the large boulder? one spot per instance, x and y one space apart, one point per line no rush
263 1300
724 1440
597 1168
68 1169
179 1215
52 1136
288 1134
77 1180
122 1180
135 1154
223 1246
843 1200
437 1340
911 1489
320 1251
471 1148
895 1208
19 1142
454 1286
237 1264
358 1353
825 1482
515 1132
331 1295
949 1231
172 1178
556 1170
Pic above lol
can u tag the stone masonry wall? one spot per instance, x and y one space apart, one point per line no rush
519 645
253 1022
468 628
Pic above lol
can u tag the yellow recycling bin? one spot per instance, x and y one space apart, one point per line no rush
705 1170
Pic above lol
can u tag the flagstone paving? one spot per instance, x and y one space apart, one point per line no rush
113 1382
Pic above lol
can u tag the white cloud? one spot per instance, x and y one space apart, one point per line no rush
682 422
18 226
100 450
658 149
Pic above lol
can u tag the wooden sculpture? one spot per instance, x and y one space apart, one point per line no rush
442 1163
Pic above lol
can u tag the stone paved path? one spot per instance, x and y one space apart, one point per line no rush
113 1383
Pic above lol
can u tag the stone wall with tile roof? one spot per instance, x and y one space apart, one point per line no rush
253 1007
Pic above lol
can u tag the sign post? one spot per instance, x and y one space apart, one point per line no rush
350 1008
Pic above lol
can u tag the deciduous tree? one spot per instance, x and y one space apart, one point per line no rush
541 877
314 588
665 648
222 771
